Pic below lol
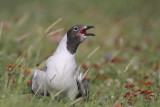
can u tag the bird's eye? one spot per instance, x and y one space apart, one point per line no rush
75 29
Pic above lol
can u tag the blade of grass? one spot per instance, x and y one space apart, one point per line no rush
22 37
76 101
84 75
129 64
93 52
57 94
23 19
53 32
1 29
37 90
54 23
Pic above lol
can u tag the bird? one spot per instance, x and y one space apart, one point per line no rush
61 70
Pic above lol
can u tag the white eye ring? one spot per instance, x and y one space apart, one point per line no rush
75 29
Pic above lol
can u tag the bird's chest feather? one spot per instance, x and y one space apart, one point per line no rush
61 70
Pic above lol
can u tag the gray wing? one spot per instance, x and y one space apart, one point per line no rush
83 87
38 82
31 83
31 79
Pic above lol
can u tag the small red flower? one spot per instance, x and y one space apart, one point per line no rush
118 105
9 67
126 86
131 85
148 83
148 92
156 67
145 77
84 66
141 83
115 60
19 65
27 71
28 82
129 102
142 92
126 95
150 97
10 74
135 95
146 98
95 65
137 90
101 76
99 92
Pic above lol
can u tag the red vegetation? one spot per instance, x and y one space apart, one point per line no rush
84 66
116 60
129 86
156 67
137 48
6 25
27 71
131 94
145 77
146 84
9 67
100 92
28 82
101 76
96 66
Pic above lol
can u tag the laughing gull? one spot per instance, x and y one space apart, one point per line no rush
61 68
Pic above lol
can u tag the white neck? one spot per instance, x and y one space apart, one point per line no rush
62 48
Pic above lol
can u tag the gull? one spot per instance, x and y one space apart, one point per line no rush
61 68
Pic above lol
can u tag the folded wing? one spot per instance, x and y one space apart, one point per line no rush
38 82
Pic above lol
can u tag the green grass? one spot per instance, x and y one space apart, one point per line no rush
125 30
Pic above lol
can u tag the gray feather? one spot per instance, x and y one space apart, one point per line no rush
83 88
38 82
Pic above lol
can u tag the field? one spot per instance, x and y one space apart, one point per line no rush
124 69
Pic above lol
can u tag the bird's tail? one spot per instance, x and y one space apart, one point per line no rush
83 87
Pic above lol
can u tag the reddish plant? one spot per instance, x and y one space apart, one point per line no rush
84 66
28 82
96 66
115 60
99 92
145 77
9 67
27 71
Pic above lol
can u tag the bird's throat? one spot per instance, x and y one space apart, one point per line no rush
72 44
72 48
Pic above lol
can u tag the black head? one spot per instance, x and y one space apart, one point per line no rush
76 35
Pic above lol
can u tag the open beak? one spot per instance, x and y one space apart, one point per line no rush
83 31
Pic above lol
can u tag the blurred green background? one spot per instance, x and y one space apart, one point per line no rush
130 20
124 29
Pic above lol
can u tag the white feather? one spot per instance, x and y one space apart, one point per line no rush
62 67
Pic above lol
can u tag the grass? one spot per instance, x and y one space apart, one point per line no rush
125 69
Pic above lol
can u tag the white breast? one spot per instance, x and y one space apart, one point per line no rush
61 67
